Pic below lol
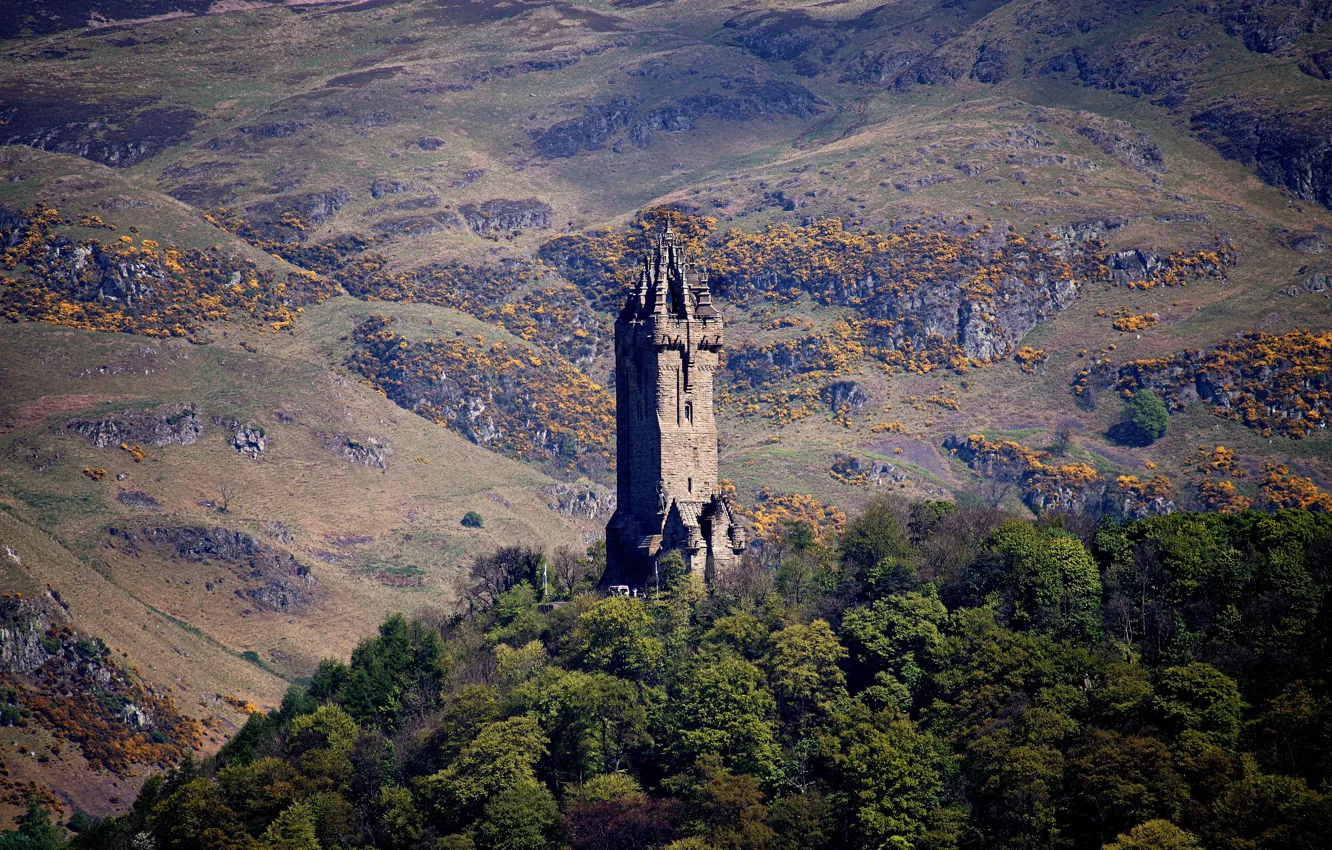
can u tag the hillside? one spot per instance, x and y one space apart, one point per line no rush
386 240
223 520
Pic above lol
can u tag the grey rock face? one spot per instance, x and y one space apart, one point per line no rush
581 499
89 130
845 394
367 451
170 424
588 133
1289 150
1128 144
504 216
274 580
250 441
313 209
381 186
744 102
1308 243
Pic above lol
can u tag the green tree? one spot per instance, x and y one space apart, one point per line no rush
398 823
294 829
803 668
670 569
893 641
886 773
615 636
802 822
876 549
1155 835
1148 416
33 830
723 709
522 816
1199 696
731 807
1054 582
594 721
517 619
503 754
196 816
1115 781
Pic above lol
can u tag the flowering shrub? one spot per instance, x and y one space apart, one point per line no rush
1272 384
140 288
511 399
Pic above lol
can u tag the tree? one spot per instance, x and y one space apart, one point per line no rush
732 808
522 816
1115 781
398 822
803 667
1155 835
227 492
294 829
893 641
196 815
1147 416
670 570
877 541
33 830
1199 696
802 822
721 708
885 772
503 754
614 636
1052 580
472 519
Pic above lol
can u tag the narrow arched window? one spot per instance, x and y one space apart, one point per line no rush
689 482
689 412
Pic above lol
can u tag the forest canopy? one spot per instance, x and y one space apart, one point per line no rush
933 677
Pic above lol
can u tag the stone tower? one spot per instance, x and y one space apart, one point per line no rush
667 341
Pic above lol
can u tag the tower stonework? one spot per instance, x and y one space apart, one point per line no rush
667 341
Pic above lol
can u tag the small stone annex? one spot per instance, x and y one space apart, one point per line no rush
667 341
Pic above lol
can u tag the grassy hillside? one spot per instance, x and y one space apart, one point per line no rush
924 221
226 619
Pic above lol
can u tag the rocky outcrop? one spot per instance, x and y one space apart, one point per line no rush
931 71
1127 144
1268 26
138 499
581 499
381 186
741 102
170 424
1292 150
365 451
286 218
844 396
118 134
877 68
991 66
273 579
23 625
861 472
504 216
587 133
1307 243
249 440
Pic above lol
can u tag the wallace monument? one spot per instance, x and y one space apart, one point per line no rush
667 341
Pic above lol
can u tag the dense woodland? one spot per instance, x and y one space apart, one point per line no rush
932 677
